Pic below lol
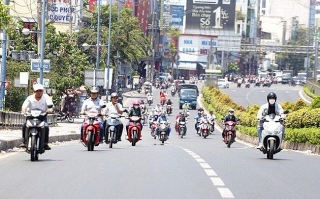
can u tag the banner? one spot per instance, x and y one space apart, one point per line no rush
210 14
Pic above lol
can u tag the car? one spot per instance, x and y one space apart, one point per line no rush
188 95
223 83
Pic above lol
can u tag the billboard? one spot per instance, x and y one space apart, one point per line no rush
173 15
210 14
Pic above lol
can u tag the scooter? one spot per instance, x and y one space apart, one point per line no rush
112 120
162 100
150 100
163 127
91 129
272 133
169 109
35 133
173 93
229 132
134 130
182 129
204 129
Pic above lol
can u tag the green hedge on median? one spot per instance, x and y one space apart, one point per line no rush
301 124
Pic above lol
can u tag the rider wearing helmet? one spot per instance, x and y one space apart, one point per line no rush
268 108
229 117
161 118
113 107
93 103
134 111
198 119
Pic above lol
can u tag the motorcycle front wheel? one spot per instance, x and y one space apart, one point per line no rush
90 141
271 149
229 140
134 138
70 119
33 150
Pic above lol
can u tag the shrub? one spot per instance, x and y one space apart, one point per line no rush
315 103
298 105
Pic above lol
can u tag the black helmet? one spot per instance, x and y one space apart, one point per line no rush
271 95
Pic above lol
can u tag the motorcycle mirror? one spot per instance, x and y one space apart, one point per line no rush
286 112
103 106
50 106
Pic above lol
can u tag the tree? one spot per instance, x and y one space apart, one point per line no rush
232 67
5 18
173 50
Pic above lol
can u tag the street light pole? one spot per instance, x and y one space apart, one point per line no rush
43 30
98 46
109 44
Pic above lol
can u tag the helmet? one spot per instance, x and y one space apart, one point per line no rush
231 111
135 102
204 115
114 95
271 95
94 89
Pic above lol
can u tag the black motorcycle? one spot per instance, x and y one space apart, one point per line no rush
65 116
35 132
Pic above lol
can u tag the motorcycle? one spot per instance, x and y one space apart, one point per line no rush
238 85
154 127
182 129
247 85
173 92
229 132
112 120
204 129
162 100
150 100
134 130
65 116
146 91
163 127
272 134
169 109
35 132
91 129
212 125
145 117
139 90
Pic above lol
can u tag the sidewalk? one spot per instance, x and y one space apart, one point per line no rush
64 131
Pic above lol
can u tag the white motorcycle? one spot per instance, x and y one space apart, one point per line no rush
272 134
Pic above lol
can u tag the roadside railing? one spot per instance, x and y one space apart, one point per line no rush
313 87
12 120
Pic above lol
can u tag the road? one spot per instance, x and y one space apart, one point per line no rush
188 168
258 95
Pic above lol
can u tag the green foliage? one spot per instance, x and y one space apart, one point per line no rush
298 105
304 135
5 18
310 92
315 103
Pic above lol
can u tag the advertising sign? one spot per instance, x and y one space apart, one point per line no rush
210 14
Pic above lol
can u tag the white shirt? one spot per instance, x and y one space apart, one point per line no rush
110 108
279 110
91 104
32 103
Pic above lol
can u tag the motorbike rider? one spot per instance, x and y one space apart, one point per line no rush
40 101
229 117
203 119
270 107
197 120
169 102
114 107
161 118
135 111
211 118
185 106
93 103
180 117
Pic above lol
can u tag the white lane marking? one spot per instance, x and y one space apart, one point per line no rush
210 172
225 193
216 181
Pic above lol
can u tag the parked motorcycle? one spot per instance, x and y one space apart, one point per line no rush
229 132
65 116
169 109
204 129
112 120
134 130
182 129
272 134
163 127
35 132
91 129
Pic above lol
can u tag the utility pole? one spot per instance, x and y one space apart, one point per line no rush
39 21
3 64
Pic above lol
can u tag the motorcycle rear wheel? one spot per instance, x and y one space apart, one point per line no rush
90 141
70 119
33 150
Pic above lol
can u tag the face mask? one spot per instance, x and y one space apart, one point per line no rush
272 101
136 107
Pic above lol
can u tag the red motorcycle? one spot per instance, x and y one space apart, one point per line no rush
91 130
162 100
154 127
134 130
229 132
